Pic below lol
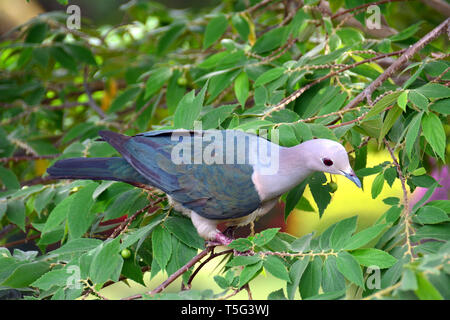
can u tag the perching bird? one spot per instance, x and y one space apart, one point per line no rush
212 176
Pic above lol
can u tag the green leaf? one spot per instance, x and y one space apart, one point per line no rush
287 136
442 106
243 260
220 82
188 109
37 33
377 185
363 237
9 179
66 60
43 199
332 279
389 121
16 213
438 231
342 232
121 204
77 245
81 53
58 214
276 267
162 246
25 274
431 215
107 262
434 133
383 103
124 99
413 133
169 37
241 25
52 278
241 88
214 30
320 192
271 40
409 280
249 272
185 231
302 244
269 75
418 99
406 33
349 267
311 279
214 118
156 81
402 100
374 257
264 237
295 274
434 91
141 233
79 216
425 290
241 244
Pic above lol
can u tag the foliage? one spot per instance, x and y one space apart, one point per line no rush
271 65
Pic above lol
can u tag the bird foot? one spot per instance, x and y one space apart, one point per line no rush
220 240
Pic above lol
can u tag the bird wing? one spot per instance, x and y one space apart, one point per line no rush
214 191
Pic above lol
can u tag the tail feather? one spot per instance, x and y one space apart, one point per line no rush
116 169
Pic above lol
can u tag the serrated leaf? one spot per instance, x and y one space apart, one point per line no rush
16 213
377 185
295 274
434 91
185 231
349 267
214 30
269 75
79 216
431 215
342 232
434 133
302 244
43 199
402 100
363 237
106 263
189 108
374 257
241 244
157 80
249 272
311 279
383 103
332 279
9 179
413 133
243 260
241 88
265 236
276 267
162 246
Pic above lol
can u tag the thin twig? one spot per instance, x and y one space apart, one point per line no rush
405 57
91 102
405 212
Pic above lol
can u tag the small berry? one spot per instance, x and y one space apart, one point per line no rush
182 81
333 186
125 253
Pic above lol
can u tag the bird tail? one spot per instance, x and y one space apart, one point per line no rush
116 169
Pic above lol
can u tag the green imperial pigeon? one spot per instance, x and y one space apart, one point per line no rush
212 176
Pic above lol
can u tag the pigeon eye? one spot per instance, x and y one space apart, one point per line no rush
327 162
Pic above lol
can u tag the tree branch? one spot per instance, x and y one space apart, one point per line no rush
408 54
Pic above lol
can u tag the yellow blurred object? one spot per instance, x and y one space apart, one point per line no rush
109 95
40 166
15 13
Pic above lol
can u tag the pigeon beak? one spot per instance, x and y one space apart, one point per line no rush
352 176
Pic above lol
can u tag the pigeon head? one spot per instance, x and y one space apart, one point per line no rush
330 156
